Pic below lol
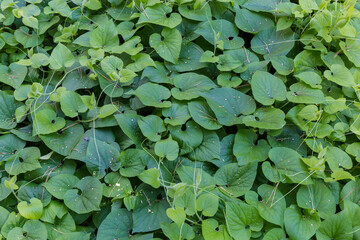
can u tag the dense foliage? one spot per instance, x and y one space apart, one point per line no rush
179 119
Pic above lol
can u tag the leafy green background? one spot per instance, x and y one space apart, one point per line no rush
179 119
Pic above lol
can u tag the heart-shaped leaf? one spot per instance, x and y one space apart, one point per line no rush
146 95
167 148
13 75
86 197
228 104
61 57
168 45
267 88
33 210
7 110
46 122
190 85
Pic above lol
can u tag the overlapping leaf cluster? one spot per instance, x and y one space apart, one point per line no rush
179 119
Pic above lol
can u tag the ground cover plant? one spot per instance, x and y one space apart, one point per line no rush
179 119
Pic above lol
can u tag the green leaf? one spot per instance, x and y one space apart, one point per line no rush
211 230
157 74
198 14
65 225
252 22
354 150
100 156
133 47
159 14
337 226
132 162
7 110
75 236
33 190
337 158
226 80
104 36
208 150
352 50
176 214
228 104
61 57
207 203
241 219
287 162
146 95
284 23
126 75
167 45
176 114
261 6
93 4
317 197
60 6
86 197
9 144
13 75
245 149
302 93
272 206
128 122
23 161
32 229
340 75
282 64
110 87
63 142
152 126
116 186
275 234
14 220
272 42
267 88
189 136
107 110
33 210
150 210
173 231
300 224
190 85
220 33
203 115
151 177
60 184
116 225
353 211
310 78
195 177
209 57
265 118
189 59
111 64
235 180
308 5
167 148
71 104
46 122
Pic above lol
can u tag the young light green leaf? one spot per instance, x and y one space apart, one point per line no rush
33 210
